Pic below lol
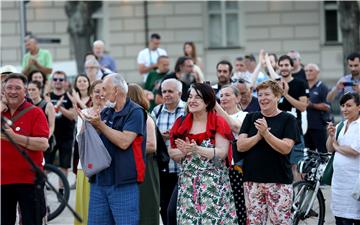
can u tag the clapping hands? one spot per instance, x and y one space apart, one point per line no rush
187 147
262 126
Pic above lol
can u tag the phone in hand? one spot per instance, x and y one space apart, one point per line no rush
348 83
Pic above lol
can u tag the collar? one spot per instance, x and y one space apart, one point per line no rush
23 105
125 110
354 122
181 104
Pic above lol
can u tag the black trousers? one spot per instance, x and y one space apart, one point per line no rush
344 221
168 182
30 199
171 210
316 139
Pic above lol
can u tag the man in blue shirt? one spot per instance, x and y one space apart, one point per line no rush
318 110
348 83
114 197
106 61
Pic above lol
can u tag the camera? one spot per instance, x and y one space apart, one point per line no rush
348 83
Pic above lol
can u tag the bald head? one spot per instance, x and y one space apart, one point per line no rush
312 72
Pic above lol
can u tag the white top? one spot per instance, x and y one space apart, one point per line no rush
346 172
238 116
149 57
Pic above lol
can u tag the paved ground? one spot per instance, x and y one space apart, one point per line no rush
66 217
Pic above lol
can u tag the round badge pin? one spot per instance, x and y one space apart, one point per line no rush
17 128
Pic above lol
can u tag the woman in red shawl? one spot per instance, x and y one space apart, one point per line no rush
201 141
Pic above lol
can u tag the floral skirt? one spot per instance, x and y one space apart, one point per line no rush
205 195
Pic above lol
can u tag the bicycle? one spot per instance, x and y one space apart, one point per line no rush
309 203
54 206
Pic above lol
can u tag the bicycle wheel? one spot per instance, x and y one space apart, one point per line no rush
303 192
54 205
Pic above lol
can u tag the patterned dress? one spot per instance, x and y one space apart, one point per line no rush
205 195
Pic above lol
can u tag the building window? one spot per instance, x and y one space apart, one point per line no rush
223 24
332 32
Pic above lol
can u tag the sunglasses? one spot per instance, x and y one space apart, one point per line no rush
58 79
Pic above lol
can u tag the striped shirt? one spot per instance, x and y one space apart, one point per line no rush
164 121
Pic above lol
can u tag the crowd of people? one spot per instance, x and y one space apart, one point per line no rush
233 144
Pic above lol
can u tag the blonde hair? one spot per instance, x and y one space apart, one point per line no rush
137 94
273 85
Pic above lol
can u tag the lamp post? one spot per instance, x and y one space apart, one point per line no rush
23 28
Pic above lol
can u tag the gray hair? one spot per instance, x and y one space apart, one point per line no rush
234 89
313 65
174 81
99 42
296 54
247 85
92 62
119 81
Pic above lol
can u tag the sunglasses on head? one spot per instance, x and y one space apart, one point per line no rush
241 81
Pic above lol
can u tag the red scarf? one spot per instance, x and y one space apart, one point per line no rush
215 124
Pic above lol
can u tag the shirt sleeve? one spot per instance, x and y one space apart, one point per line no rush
356 143
40 127
25 61
141 57
291 130
48 60
112 65
245 127
172 131
303 90
135 122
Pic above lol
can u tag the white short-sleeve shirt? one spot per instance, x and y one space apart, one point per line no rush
148 57
346 172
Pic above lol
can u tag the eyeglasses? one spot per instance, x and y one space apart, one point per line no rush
58 79
91 67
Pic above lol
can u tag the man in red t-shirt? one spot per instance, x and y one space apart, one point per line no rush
30 131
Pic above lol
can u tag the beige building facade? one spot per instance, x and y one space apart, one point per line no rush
220 30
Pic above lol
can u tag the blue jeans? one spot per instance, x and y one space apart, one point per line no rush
297 152
115 204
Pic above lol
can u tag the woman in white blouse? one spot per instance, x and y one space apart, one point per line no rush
234 116
229 108
346 162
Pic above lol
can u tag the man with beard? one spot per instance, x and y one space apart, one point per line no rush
348 83
224 73
184 72
294 100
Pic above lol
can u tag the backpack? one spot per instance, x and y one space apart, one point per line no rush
162 155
